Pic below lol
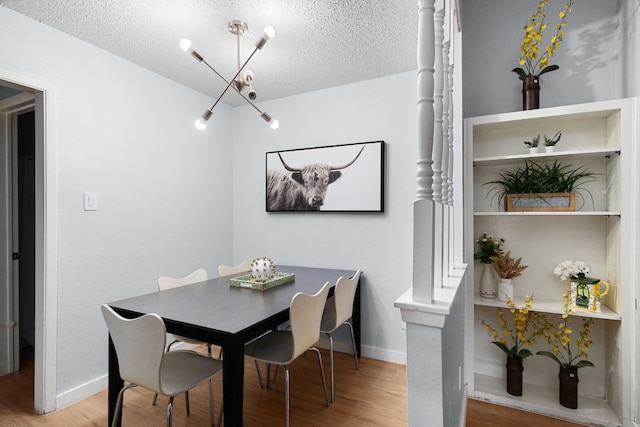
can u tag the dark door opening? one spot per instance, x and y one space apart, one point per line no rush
26 137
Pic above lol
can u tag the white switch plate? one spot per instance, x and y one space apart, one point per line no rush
90 201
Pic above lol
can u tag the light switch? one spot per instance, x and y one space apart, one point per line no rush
90 201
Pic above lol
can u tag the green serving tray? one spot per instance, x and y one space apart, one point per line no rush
247 281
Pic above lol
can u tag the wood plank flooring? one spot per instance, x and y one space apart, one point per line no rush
373 396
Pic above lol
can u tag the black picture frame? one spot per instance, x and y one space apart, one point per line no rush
347 178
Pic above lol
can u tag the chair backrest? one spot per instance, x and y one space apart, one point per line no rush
166 282
305 315
139 344
227 270
343 296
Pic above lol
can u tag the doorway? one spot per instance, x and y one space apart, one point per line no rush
24 137
28 238
18 219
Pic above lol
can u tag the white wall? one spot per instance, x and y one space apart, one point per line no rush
163 187
588 57
381 243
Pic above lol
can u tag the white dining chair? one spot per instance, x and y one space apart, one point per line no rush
140 347
281 347
166 283
227 270
337 312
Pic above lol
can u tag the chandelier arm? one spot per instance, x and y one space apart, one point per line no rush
228 84
233 79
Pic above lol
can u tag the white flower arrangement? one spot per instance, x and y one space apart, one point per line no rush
571 269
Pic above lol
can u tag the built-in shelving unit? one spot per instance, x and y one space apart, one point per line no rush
601 232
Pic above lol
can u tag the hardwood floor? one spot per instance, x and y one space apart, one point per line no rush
373 396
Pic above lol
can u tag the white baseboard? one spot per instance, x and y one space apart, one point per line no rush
370 352
81 392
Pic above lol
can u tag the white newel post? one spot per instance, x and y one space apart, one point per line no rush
433 308
423 212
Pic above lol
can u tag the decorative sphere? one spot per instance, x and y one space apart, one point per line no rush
263 269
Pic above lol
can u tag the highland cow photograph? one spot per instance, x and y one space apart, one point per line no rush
337 178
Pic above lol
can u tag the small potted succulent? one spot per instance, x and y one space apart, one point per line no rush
550 143
533 144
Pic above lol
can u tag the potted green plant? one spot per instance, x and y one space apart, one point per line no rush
550 143
533 144
540 187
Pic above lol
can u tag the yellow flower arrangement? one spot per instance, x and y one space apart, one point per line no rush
559 337
521 332
533 61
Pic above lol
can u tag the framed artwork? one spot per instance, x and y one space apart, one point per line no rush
336 178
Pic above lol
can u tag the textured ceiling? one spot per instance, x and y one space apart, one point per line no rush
318 43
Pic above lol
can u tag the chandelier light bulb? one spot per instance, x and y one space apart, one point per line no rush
201 124
269 32
185 44
270 120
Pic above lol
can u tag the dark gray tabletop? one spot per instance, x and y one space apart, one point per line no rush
217 306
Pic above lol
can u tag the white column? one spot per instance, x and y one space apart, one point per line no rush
423 208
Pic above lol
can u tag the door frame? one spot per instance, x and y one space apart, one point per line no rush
46 242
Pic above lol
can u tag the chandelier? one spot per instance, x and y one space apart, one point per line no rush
237 83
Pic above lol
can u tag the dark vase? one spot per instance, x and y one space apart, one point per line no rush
568 387
531 93
514 376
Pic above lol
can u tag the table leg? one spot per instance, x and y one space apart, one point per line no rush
233 383
355 318
115 382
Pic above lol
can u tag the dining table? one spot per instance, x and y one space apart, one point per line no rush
215 312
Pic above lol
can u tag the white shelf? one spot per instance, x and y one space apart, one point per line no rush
591 411
548 306
572 213
574 154
581 112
